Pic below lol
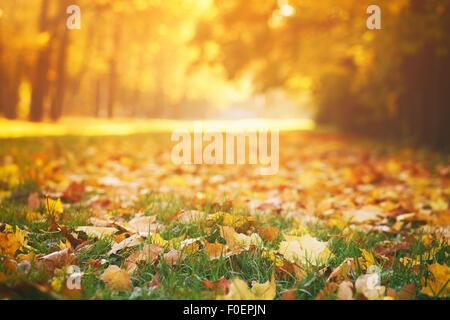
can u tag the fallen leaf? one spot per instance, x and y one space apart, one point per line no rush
75 191
234 239
149 253
221 286
116 278
344 270
97 232
364 215
345 291
214 250
239 290
55 260
270 233
191 216
437 285
174 257
132 241
142 224
368 284
304 249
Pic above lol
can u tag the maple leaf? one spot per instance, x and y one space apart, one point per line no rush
239 290
11 242
437 285
234 239
222 285
116 278
228 219
304 249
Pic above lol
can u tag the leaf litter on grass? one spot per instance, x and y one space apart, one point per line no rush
339 221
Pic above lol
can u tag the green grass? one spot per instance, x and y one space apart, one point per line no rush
185 281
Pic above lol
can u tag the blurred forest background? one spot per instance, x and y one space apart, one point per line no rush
232 59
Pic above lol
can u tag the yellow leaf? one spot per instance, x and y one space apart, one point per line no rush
304 249
157 239
54 205
116 278
229 219
437 285
239 290
234 239
97 232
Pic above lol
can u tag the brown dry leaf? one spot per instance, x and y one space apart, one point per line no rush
408 292
329 289
342 272
116 278
155 283
289 295
9 264
75 191
100 221
368 285
55 260
174 257
142 224
191 216
345 291
149 253
132 241
366 214
220 286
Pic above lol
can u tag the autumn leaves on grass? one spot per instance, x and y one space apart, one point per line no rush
138 242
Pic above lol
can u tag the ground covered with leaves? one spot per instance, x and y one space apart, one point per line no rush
114 218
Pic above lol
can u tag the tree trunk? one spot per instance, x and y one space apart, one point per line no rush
40 82
58 98
112 81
